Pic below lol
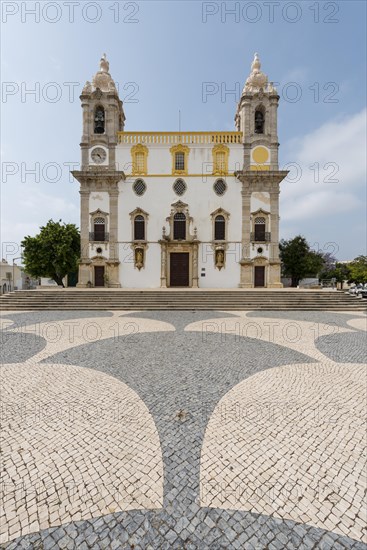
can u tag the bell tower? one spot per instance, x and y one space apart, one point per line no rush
256 118
103 117
99 176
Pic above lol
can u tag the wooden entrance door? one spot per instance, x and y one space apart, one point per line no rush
259 275
99 275
179 269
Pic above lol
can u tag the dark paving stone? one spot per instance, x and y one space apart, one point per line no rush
321 317
31 317
19 347
347 347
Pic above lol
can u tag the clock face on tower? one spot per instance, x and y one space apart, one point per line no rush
98 155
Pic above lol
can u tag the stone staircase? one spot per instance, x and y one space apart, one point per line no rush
180 299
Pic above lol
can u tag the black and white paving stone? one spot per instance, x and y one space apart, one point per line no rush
181 365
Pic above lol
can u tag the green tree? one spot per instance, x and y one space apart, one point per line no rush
358 270
298 261
53 253
341 273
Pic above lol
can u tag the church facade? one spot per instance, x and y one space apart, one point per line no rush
179 209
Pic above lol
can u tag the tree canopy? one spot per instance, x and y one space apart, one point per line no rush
358 270
54 252
298 260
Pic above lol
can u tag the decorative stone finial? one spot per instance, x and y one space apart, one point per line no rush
87 88
102 79
104 64
257 79
256 64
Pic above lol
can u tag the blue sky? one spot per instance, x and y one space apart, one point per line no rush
163 55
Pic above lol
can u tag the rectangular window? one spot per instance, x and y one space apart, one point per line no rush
220 163
180 161
139 162
99 232
259 232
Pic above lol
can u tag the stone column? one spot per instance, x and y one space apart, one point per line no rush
114 253
246 279
195 273
163 265
84 269
274 224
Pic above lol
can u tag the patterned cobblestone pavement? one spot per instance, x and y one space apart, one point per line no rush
184 430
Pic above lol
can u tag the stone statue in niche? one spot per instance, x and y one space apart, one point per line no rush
139 258
219 259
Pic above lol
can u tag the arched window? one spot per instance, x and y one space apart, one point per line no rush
99 228
179 226
139 228
99 120
260 228
259 121
219 228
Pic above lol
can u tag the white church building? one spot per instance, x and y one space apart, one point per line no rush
179 209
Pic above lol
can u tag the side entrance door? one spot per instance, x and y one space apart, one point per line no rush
179 269
259 275
99 275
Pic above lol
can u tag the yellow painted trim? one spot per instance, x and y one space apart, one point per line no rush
209 175
139 148
260 155
171 138
185 151
260 167
221 149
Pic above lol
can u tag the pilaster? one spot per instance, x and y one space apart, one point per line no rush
245 279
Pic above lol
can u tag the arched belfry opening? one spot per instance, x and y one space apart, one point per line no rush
259 120
99 120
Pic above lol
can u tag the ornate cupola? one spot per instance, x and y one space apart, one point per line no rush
256 118
103 117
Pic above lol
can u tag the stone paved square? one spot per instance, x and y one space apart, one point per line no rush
183 430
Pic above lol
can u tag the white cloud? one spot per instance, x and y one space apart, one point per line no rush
332 162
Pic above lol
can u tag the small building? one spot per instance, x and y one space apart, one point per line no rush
10 277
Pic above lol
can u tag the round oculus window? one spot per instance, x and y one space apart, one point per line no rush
220 187
179 187
139 187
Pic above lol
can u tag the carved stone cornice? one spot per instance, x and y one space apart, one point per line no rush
257 180
98 179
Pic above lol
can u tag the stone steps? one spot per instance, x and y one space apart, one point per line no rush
245 300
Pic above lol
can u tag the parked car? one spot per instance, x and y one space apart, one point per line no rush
361 289
357 289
